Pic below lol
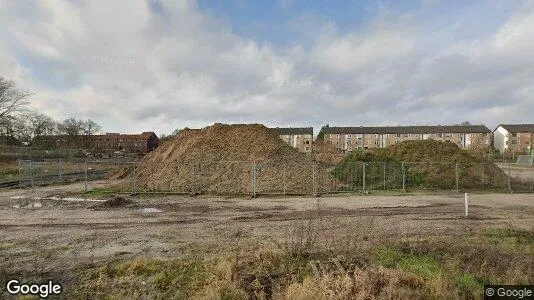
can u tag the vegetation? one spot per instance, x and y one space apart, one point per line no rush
16 120
420 164
320 135
9 171
450 268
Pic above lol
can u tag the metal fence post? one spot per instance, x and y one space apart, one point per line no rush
20 173
509 179
284 179
363 178
403 177
60 169
384 167
31 174
192 187
254 178
314 178
85 174
133 179
457 175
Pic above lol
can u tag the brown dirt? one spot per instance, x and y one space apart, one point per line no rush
219 159
113 203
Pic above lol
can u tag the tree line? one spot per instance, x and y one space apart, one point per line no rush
17 121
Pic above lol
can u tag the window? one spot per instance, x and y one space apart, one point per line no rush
439 135
349 136
349 142
376 142
398 135
307 142
307 148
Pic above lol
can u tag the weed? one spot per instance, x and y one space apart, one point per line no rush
424 266
468 285
387 256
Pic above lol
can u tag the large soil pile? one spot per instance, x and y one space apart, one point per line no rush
427 164
220 158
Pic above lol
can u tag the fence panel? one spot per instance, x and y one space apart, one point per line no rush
276 177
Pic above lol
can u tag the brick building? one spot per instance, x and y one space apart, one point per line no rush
348 139
516 138
297 137
135 143
9 141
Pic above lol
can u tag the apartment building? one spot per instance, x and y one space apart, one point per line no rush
516 138
297 137
348 139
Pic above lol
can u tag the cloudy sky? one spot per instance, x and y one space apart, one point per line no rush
138 65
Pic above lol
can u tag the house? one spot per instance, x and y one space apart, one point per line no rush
135 143
348 139
516 138
297 137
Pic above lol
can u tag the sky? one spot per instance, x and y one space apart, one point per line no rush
160 65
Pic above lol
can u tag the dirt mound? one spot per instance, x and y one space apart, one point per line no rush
427 164
113 203
220 159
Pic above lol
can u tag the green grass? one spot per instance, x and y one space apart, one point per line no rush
510 238
420 265
174 279
424 266
468 285
387 256
9 172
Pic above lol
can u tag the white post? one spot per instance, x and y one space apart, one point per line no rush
466 203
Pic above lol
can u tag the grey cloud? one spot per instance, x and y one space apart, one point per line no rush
170 65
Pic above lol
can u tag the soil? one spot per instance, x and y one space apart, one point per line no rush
114 203
221 159
73 233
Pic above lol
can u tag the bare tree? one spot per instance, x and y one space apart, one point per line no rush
12 99
90 127
28 126
71 126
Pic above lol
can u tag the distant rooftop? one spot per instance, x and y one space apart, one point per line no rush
293 130
409 129
518 127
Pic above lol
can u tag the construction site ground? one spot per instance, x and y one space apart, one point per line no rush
55 233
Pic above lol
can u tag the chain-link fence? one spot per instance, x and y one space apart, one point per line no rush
274 177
